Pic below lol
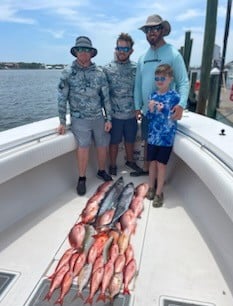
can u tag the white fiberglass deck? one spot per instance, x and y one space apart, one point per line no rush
172 257
184 249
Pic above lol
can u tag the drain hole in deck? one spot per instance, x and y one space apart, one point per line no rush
5 280
71 298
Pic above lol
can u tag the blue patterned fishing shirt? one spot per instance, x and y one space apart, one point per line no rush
162 128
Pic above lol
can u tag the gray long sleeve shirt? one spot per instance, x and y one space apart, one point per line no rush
121 78
87 92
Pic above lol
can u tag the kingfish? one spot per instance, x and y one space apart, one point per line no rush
123 202
111 196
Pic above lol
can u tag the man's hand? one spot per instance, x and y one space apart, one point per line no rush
177 112
138 114
61 129
108 126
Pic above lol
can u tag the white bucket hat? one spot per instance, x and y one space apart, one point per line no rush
154 20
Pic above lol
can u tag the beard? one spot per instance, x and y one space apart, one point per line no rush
122 57
154 39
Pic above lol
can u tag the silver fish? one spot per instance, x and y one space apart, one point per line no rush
111 197
84 278
123 202
88 240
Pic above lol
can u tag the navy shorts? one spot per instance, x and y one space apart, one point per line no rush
123 128
158 153
86 130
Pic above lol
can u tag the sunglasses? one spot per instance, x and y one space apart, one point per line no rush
83 49
153 28
123 49
160 79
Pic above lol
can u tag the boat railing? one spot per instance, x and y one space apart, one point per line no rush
204 146
26 140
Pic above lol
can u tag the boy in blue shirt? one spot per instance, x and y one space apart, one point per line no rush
161 131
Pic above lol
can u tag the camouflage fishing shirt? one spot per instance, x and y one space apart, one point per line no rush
87 92
121 77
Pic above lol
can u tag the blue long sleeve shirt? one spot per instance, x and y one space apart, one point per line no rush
145 74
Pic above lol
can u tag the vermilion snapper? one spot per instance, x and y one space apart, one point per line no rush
76 236
115 285
57 280
137 206
80 262
65 286
119 263
123 241
63 260
128 221
96 280
108 273
113 252
129 273
129 253
141 190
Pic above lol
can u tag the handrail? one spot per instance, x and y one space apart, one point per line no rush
26 140
204 146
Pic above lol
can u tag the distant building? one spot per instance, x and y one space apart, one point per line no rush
216 61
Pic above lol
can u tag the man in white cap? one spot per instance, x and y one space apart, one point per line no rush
84 86
159 53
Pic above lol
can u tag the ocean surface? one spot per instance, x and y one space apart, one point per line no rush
27 96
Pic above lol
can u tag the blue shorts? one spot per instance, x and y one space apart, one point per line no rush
126 128
144 128
86 130
158 153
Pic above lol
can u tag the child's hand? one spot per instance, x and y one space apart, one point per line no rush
159 106
151 105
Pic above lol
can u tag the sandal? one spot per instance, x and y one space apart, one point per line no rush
150 193
158 200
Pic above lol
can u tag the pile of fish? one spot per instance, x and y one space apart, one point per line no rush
101 255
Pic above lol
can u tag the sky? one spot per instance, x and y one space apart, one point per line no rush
43 31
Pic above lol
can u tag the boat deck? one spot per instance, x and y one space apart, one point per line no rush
174 262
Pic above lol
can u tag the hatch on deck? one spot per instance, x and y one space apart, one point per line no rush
6 279
171 301
71 298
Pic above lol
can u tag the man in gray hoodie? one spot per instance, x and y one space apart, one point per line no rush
121 77
84 86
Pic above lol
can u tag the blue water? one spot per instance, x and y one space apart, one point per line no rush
27 96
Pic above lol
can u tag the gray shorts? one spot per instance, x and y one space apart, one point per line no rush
86 130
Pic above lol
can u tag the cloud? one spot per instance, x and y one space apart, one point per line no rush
55 34
190 14
8 14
